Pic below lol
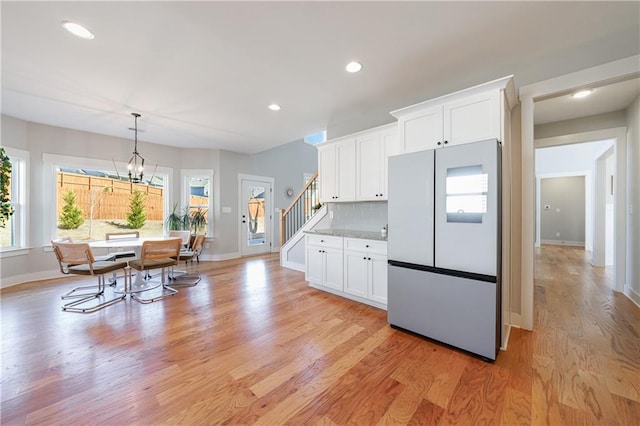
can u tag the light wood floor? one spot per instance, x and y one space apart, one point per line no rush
253 344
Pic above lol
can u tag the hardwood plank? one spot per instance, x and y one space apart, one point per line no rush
426 414
478 397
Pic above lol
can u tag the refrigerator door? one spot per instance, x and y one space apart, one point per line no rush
410 208
467 207
458 311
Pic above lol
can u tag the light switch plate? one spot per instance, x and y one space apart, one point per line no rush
226 210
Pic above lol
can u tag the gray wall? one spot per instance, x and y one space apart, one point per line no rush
286 164
581 125
566 216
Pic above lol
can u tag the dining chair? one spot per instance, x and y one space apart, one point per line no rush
183 278
78 259
157 254
185 236
122 236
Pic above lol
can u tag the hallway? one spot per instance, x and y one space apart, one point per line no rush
586 343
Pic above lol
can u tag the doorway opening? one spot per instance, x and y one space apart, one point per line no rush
598 76
575 197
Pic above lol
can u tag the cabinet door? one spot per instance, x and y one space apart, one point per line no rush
314 265
355 273
368 167
378 278
421 131
388 147
333 277
346 176
327 173
472 119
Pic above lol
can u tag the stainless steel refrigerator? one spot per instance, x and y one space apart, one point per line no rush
444 245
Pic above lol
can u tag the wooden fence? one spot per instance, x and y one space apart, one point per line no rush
108 198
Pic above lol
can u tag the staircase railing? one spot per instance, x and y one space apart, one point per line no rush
300 211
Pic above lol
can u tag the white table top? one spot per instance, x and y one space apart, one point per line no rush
126 242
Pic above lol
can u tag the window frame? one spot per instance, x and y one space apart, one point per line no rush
186 175
52 164
20 202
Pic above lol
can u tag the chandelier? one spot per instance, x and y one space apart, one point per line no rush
136 163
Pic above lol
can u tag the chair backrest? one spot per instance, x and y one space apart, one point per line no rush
160 249
122 235
197 244
71 254
185 236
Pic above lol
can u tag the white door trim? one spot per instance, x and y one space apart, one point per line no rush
619 69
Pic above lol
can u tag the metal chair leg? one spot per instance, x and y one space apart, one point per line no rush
166 291
76 305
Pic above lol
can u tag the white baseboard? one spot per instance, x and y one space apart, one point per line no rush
516 320
564 243
632 294
505 339
25 278
218 257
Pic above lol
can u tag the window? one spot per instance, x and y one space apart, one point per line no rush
467 189
14 235
92 198
198 198
316 138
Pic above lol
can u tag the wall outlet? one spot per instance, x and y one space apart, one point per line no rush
226 210
557 234
331 215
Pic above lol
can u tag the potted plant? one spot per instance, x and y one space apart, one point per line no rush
6 209
176 221
199 221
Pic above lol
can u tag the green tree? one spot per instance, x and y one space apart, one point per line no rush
137 216
71 217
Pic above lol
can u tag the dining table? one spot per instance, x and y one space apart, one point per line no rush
121 244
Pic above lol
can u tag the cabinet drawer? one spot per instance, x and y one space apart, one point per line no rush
369 246
324 241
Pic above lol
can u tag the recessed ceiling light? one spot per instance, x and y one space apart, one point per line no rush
582 93
77 30
274 107
354 66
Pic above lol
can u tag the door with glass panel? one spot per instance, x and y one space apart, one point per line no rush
255 216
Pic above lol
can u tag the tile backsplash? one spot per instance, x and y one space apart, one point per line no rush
363 216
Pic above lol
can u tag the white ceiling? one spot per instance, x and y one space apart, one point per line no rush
203 73
612 97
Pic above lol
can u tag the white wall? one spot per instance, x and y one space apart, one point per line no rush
632 286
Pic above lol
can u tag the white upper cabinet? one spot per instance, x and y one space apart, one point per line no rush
337 172
470 115
472 119
327 172
355 168
373 151
421 130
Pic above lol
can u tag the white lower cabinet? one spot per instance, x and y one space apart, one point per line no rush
354 268
324 261
365 269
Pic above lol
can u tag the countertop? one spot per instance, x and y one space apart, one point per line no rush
365 235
